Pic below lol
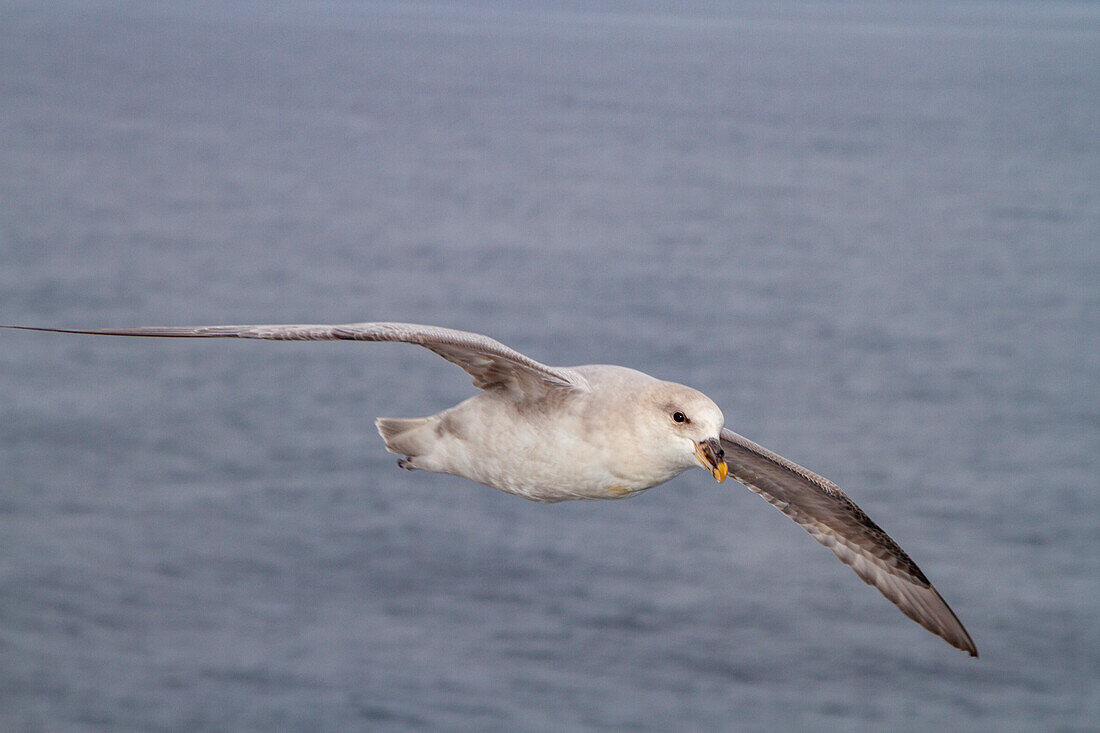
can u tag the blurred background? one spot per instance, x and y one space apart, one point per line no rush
868 230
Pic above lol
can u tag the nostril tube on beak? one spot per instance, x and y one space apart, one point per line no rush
710 455
715 448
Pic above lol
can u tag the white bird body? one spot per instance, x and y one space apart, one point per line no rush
520 437
605 432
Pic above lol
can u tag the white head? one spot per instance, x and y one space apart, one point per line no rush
678 427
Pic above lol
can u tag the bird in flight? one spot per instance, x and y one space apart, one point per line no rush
603 432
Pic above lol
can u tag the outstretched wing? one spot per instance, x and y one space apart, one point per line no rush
835 521
493 365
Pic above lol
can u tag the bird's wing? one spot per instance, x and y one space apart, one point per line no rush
493 365
835 521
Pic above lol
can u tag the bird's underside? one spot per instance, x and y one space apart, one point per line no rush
813 502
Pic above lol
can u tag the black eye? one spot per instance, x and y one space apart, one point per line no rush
679 417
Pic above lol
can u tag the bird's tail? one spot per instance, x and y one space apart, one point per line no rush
406 436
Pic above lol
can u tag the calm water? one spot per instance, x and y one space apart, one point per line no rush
869 231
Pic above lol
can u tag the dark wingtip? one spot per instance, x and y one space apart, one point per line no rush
40 329
966 644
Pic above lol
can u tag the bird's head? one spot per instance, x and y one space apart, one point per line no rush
685 424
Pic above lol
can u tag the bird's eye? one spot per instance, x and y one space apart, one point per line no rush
679 417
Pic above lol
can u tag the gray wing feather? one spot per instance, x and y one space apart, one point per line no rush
492 364
835 521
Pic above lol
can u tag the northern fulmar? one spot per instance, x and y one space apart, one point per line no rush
604 432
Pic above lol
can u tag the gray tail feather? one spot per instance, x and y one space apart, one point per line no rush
402 434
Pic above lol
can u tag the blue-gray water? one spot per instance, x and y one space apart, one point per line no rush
870 231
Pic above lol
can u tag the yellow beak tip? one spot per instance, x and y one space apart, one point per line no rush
721 471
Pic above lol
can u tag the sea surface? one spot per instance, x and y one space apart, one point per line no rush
869 230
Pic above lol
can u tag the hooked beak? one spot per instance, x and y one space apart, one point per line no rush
709 453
